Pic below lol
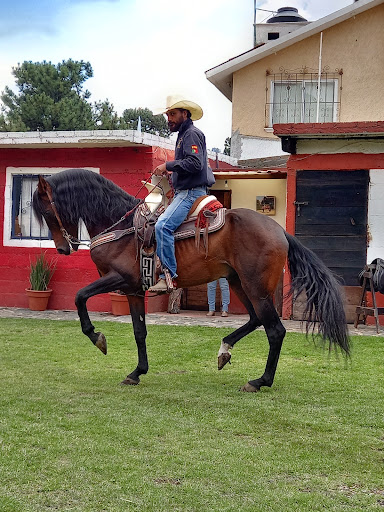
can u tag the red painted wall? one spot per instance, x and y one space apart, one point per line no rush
126 167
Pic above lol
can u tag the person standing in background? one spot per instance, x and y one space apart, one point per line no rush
225 296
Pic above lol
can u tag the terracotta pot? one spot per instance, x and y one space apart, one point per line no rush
119 303
38 300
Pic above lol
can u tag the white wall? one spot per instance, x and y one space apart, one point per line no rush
244 192
376 215
244 147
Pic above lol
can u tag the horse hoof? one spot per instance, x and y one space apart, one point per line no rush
101 343
223 359
129 382
249 388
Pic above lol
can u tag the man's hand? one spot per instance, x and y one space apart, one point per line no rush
160 170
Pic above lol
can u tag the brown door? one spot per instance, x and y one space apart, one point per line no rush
331 220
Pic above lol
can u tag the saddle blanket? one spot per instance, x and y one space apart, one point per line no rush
186 230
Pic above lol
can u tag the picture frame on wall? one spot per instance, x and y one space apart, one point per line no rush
266 205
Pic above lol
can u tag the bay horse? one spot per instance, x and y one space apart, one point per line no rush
250 250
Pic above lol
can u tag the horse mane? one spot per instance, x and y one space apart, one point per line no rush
82 194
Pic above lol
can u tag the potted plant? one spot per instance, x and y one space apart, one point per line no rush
40 274
119 303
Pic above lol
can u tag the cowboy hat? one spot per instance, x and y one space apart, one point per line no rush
177 101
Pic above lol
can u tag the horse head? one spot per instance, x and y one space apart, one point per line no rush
45 208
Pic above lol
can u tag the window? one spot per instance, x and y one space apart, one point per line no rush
294 98
24 223
21 228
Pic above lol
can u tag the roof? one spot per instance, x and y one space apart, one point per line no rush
291 133
94 139
329 130
82 139
221 76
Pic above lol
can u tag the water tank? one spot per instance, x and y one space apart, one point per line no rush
286 14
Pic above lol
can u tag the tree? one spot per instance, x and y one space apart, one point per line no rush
105 117
150 123
227 146
50 97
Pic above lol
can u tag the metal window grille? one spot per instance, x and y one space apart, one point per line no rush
292 97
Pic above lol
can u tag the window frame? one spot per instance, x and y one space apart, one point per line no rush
8 241
302 82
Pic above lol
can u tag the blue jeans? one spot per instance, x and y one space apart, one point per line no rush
211 289
169 221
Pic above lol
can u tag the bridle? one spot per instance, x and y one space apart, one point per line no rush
72 240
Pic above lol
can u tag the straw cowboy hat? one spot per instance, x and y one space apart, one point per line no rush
177 101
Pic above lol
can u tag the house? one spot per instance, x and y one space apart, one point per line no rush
125 157
278 82
335 190
327 75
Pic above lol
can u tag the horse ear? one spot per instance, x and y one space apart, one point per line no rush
43 186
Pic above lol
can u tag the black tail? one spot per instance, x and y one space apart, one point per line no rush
324 307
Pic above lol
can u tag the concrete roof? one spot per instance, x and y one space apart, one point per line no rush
94 139
82 139
221 76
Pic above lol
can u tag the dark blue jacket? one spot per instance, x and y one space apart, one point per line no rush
190 168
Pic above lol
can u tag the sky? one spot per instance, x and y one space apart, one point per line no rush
141 51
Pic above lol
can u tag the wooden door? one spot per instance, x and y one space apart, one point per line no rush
331 219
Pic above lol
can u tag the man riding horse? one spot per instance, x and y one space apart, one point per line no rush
191 177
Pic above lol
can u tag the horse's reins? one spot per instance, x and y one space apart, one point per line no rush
72 240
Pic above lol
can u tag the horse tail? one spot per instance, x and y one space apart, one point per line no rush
324 306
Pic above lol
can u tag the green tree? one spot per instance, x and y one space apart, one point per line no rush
150 123
105 117
227 146
50 97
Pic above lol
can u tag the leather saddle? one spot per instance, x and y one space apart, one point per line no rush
206 215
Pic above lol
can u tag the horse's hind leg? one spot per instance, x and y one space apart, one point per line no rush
275 332
229 341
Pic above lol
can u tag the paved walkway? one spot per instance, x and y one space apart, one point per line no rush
183 318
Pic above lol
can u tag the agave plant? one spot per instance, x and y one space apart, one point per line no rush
41 272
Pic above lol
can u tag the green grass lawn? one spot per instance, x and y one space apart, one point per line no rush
185 439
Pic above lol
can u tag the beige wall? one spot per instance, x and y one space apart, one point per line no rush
244 192
356 46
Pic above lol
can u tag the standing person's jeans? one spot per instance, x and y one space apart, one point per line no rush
211 292
169 221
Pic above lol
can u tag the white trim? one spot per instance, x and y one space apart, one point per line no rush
8 241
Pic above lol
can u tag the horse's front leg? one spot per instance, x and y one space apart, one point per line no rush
137 308
108 283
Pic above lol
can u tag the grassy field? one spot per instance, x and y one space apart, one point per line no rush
185 439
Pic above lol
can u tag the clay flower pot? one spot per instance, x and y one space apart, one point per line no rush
38 299
119 303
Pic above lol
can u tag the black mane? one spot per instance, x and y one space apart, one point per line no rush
82 194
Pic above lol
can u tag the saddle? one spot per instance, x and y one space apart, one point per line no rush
377 269
206 215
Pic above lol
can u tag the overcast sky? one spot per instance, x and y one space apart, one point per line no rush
142 50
